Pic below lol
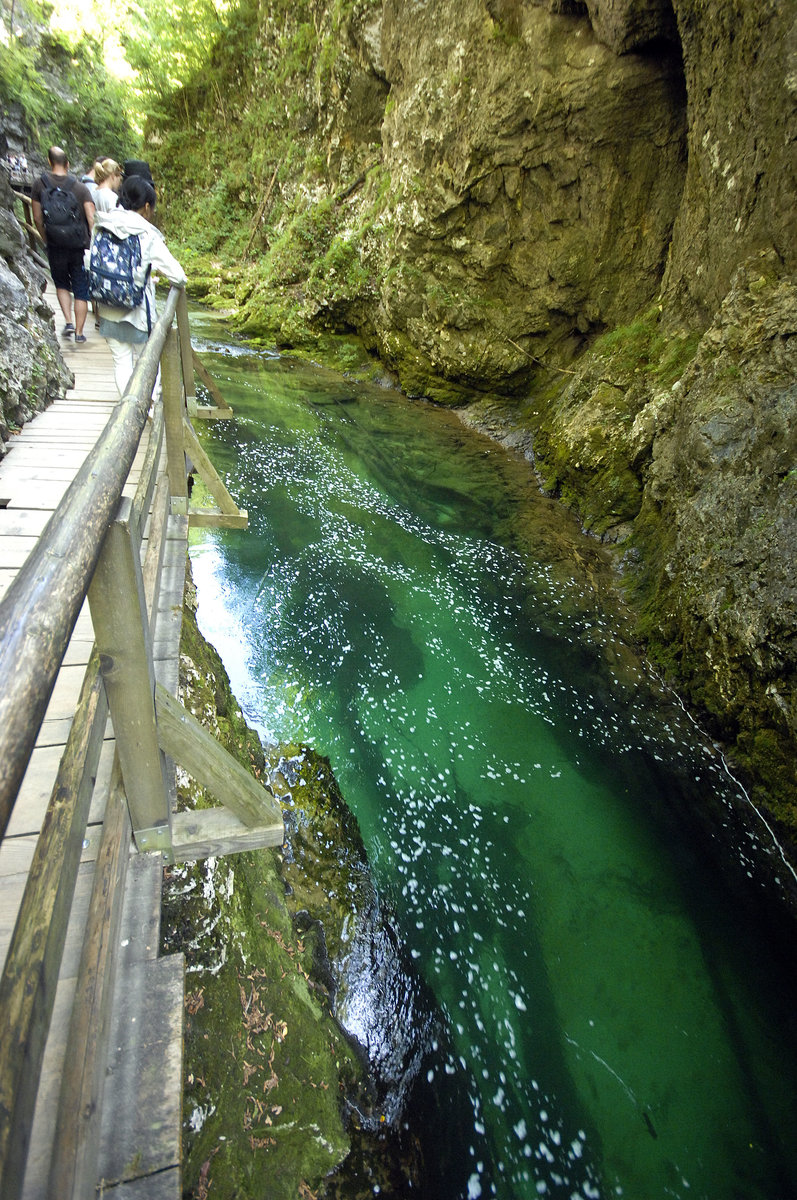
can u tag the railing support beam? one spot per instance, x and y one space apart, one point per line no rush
121 627
173 416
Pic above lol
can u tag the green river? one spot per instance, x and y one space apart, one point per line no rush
621 1006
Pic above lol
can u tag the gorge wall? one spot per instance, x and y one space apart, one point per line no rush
577 218
573 218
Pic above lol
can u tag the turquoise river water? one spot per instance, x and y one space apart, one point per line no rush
404 601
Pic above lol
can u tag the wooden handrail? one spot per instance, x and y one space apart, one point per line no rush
40 608
92 546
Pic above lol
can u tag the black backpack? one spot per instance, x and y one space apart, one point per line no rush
63 216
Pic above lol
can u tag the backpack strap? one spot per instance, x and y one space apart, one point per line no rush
146 296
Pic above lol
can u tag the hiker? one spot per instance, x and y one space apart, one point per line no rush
63 213
109 179
127 328
136 166
90 179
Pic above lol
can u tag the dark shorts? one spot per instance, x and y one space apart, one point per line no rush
68 272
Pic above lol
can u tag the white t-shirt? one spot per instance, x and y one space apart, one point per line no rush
105 199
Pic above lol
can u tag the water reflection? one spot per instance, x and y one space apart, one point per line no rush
405 603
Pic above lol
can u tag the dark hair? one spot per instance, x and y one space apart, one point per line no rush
135 192
136 166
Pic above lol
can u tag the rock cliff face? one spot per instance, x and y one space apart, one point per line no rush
577 218
541 174
32 372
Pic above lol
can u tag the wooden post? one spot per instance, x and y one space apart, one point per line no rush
173 414
73 1166
186 353
30 976
121 627
195 749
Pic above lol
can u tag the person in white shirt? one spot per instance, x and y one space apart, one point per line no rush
127 330
108 175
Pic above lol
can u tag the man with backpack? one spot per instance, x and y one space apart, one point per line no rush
63 213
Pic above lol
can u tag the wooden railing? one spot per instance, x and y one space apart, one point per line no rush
92 547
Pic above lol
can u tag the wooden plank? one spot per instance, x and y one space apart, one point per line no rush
167 632
43 1123
163 1185
147 465
152 568
12 890
33 962
141 919
142 1113
18 472
64 698
14 550
39 495
186 352
34 794
29 454
16 853
201 518
77 419
21 522
207 412
167 673
217 831
210 383
172 586
78 651
7 577
121 624
73 1166
190 744
54 732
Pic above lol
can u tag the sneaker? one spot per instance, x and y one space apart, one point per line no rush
68 329
80 337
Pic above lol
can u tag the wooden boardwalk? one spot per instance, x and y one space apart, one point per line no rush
138 1135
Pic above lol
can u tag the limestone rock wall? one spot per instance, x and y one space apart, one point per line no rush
32 372
718 527
539 175
740 64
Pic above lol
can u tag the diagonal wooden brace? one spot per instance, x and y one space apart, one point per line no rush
252 818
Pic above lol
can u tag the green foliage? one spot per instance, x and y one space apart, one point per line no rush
241 145
66 93
21 81
169 41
